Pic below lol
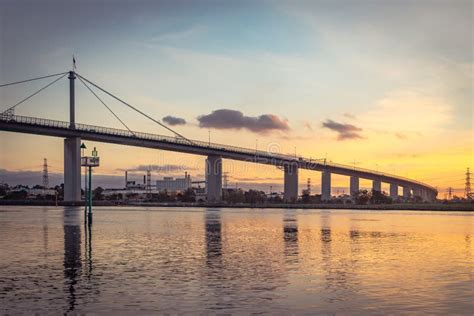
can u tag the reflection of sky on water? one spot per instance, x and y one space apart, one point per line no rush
240 261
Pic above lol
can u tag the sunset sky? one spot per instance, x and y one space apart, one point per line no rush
381 85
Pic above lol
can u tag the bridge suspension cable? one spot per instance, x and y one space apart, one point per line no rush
116 116
28 80
134 108
34 93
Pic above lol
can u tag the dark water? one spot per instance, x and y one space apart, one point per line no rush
241 261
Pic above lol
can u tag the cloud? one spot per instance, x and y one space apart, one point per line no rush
307 125
232 119
401 136
346 131
31 178
173 120
349 115
159 168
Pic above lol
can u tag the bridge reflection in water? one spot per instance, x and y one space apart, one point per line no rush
74 265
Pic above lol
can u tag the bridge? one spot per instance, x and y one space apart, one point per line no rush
73 133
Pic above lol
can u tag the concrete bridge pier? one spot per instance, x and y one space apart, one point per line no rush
376 185
425 196
431 196
406 193
417 192
72 170
393 191
290 182
214 178
325 185
354 185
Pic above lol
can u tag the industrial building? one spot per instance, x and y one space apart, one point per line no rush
170 184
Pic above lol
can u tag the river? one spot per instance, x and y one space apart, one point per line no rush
238 261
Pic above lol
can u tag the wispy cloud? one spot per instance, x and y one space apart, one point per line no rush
401 136
407 112
232 119
159 168
345 131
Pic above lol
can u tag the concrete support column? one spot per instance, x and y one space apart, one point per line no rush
424 196
376 185
393 191
354 185
325 185
72 170
291 182
417 192
406 193
214 178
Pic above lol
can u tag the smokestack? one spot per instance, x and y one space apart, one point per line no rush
144 179
126 178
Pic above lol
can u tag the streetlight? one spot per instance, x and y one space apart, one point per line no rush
209 131
90 162
83 148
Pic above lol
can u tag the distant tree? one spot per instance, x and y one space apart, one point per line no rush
97 193
234 196
188 196
277 199
16 195
115 197
306 198
361 197
379 197
255 197
163 196
60 190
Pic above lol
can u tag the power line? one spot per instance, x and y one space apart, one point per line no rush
28 80
116 116
135 109
32 95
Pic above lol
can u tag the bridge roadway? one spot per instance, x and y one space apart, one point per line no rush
215 152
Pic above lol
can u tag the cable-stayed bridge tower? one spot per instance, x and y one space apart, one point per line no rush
72 152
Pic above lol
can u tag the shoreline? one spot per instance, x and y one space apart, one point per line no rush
389 207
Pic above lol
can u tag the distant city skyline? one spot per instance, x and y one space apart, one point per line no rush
386 86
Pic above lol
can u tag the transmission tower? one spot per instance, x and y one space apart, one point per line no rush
148 180
467 190
450 193
308 186
45 174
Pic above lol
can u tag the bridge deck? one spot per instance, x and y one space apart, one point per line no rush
40 126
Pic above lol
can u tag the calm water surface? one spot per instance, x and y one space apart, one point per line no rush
214 261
